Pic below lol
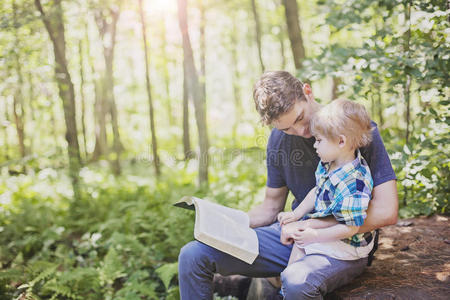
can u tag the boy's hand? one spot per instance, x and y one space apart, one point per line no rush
305 237
286 217
288 230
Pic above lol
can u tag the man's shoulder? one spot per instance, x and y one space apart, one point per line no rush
275 139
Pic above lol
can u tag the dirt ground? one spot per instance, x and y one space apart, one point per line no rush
412 262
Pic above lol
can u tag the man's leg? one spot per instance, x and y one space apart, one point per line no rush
316 275
198 262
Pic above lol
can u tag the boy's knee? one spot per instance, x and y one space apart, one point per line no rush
298 284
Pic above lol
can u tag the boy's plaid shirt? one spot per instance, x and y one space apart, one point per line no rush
345 194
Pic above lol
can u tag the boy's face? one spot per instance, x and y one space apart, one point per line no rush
296 121
328 150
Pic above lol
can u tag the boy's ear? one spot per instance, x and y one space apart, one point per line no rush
307 89
342 140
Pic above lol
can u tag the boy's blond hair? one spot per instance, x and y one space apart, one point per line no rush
344 117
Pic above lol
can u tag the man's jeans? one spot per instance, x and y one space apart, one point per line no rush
310 278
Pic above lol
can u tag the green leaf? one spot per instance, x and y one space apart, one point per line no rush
167 272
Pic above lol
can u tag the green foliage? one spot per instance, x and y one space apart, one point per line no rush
120 240
167 272
395 55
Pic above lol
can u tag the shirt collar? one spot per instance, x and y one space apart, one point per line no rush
337 175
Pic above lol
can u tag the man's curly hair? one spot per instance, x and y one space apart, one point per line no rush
275 94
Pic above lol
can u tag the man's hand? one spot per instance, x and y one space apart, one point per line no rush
286 217
305 237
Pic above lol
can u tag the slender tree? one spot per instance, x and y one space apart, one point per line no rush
18 103
82 97
149 93
55 27
258 33
407 85
100 110
294 31
202 48
5 127
188 154
106 19
236 76
196 92
32 108
166 75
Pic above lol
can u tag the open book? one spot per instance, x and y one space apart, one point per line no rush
226 229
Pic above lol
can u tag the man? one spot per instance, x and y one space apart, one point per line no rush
288 105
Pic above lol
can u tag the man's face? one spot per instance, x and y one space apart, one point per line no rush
296 121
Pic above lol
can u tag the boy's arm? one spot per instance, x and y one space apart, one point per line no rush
321 235
305 207
266 213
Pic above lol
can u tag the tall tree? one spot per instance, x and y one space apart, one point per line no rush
407 85
18 103
82 97
258 33
31 103
186 136
5 127
236 76
166 74
294 32
202 47
55 27
196 92
106 19
100 110
149 92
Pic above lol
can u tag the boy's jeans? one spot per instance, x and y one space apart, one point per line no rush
310 278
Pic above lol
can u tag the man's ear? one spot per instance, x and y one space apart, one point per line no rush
342 140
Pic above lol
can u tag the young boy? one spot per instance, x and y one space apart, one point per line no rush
343 185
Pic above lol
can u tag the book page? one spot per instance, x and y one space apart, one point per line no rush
226 225
223 228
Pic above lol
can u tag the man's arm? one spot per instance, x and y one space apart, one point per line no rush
383 208
266 213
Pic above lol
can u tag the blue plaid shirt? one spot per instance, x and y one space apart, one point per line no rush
345 194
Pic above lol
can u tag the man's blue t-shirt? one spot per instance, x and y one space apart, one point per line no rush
292 161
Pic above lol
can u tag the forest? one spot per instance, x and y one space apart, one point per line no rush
112 110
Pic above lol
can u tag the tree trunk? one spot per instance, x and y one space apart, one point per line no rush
99 107
5 127
18 104
258 33
196 92
235 81
149 93
82 97
55 28
380 109
202 48
32 109
188 154
107 27
334 89
280 36
166 77
407 86
294 32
